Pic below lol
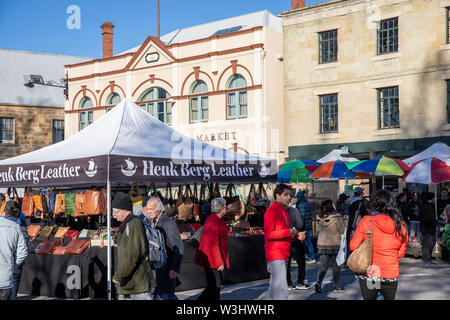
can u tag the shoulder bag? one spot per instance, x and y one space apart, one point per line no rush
205 205
196 202
48 246
28 203
69 203
361 259
186 206
233 201
169 205
79 205
60 206
77 246
92 202
34 230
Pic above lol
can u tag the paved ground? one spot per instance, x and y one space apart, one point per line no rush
416 282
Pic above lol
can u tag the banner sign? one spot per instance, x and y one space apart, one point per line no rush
92 170
126 169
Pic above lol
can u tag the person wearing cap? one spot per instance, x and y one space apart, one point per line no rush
13 249
427 218
133 278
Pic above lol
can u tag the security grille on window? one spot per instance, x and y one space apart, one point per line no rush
6 130
388 108
58 131
387 35
328 46
328 113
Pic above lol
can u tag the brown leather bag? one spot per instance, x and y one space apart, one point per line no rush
59 250
61 232
103 197
34 230
77 246
185 205
48 246
79 205
233 202
360 260
92 202
28 203
38 203
47 232
169 203
60 204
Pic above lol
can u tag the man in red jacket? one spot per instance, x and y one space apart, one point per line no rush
277 241
212 253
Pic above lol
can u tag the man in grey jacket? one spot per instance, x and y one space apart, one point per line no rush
166 276
13 249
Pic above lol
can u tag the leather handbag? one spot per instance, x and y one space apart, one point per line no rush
360 260
233 202
60 206
249 208
185 205
38 203
61 232
28 203
169 203
261 199
79 205
47 231
69 203
34 230
77 246
103 200
72 234
51 201
205 205
48 246
59 250
92 202
34 245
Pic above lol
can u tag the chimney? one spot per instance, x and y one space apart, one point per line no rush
295 4
107 34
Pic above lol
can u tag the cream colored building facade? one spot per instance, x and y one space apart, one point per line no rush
220 83
387 82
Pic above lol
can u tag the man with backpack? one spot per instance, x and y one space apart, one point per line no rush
168 266
133 278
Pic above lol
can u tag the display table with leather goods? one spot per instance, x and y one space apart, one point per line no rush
85 275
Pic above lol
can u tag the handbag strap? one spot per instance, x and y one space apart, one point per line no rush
369 230
168 192
195 190
202 192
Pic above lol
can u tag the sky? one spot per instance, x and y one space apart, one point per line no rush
72 27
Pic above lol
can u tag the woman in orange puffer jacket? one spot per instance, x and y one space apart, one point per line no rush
389 239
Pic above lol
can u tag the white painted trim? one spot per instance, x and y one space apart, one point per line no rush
327 65
384 83
320 92
386 56
387 132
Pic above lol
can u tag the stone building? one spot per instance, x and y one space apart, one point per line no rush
219 82
371 75
31 100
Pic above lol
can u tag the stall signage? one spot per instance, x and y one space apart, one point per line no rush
217 136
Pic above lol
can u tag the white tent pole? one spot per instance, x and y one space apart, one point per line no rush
383 181
108 264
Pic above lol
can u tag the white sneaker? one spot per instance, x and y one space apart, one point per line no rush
302 287
291 287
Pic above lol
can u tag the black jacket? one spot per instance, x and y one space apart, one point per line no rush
411 209
427 219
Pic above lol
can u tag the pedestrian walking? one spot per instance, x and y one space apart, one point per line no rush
413 213
297 250
390 237
133 278
277 242
212 253
21 221
428 225
306 213
13 249
167 275
331 225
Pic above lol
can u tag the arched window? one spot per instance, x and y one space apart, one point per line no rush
86 117
112 100
155 102
236 97
199 103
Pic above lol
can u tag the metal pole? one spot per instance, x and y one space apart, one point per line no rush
108 236
383 181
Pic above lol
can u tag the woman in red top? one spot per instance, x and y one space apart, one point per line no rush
212 253
389 239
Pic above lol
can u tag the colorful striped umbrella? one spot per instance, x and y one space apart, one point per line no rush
332 169
384 165
296 171
431 170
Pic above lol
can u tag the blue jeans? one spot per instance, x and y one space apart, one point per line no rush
414 229
308 244
166 296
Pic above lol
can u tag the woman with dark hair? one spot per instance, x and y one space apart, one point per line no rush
331 225
389 239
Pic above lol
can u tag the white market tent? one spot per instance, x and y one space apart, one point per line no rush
128 145
437 150
336 155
